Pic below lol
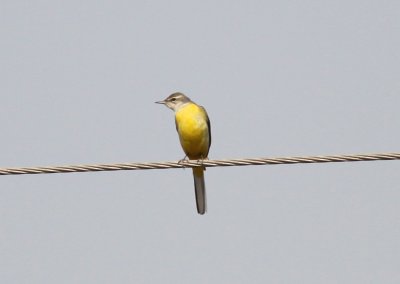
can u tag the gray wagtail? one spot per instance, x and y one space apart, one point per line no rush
193 127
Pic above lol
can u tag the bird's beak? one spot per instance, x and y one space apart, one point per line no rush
160 102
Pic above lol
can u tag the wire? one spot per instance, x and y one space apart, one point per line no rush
204 163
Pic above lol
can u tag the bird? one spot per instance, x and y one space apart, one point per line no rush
194 131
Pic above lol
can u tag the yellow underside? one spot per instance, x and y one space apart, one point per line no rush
191 121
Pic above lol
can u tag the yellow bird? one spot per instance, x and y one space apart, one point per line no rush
193 127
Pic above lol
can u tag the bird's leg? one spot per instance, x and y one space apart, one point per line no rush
182 161
201 160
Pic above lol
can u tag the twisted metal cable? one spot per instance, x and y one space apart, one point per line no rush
205 163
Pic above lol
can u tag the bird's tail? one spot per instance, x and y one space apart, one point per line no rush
200 189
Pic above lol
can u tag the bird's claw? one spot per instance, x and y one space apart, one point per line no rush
182 161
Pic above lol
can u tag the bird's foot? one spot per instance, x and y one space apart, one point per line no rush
201 161
183 161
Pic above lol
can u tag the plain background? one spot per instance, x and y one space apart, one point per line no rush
78 84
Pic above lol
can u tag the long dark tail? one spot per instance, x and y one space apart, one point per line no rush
200 190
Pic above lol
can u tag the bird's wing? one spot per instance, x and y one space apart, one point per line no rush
209 127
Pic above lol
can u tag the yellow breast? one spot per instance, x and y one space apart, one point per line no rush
191 124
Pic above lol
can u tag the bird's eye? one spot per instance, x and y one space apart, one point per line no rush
173 99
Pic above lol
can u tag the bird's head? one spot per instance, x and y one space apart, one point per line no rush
175 101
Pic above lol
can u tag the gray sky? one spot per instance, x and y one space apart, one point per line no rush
278 78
